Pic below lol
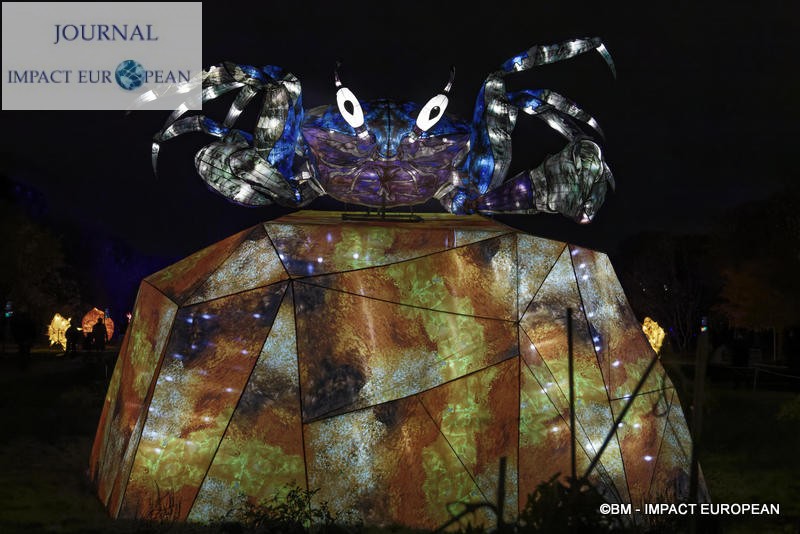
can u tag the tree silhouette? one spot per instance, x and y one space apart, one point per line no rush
759 243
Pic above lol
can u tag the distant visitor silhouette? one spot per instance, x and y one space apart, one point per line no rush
100 334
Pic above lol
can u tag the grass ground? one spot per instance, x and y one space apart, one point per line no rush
749 455
48 416
49 412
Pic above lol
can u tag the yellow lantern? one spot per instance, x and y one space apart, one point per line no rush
57 331
655 334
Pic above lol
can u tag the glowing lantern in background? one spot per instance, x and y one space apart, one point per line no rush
655 334
57 331
90 319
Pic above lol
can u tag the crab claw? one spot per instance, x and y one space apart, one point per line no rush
573 183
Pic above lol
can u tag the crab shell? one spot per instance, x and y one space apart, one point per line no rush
388 164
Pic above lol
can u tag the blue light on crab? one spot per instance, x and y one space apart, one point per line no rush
385 154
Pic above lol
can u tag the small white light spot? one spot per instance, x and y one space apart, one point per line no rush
616 363
648 458
168 378
355 255
319 259
590 315
637 425
281 256
257 316
554 429
157 450
597 347
228 390
585 277
582 266
574 252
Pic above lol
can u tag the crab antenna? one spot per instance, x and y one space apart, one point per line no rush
336 81
450 81
348 105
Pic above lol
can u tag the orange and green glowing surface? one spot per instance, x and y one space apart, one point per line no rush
388 365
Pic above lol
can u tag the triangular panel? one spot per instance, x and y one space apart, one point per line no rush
477 279
547 386
467 237
622 347
309 249
640 434
477 416
180 280
262 450
544 439
208 360
154 315
254 264
546 325
535 257
534 362
356 457
671 473
355 351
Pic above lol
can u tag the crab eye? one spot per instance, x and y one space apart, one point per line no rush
432 112
349 107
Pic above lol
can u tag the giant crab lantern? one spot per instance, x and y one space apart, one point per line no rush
385 154
391 365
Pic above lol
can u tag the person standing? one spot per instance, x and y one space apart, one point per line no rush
100 335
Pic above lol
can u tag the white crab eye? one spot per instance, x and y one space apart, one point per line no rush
432 112
349 107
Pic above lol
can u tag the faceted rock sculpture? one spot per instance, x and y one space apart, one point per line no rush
390 365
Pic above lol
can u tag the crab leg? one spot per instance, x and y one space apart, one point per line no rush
496 113
572 182
250 169
544 54
536 102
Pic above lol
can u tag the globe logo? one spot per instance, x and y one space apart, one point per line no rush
129 74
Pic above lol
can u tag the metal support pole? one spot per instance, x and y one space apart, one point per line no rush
573 465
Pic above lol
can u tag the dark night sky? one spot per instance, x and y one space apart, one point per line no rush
703 115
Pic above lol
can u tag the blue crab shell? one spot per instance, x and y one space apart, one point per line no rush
386 167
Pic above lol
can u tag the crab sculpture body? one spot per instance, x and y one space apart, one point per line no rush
402 370
384 154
